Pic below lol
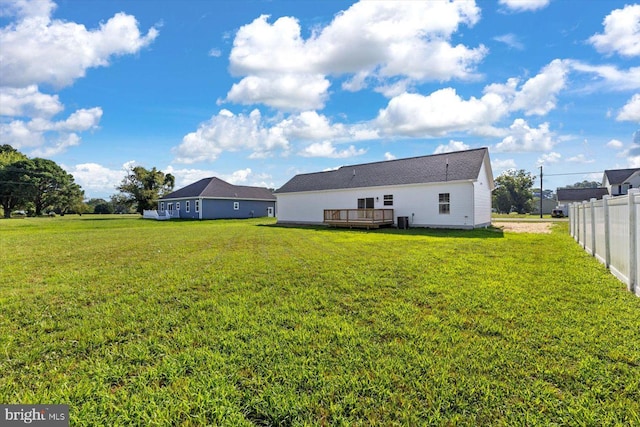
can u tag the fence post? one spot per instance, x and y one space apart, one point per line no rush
572 218
633 231
592 204
584 225
607 238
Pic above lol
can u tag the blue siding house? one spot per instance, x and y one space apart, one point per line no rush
213 198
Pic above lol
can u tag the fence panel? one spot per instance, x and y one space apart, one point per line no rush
609 229
600 230
588 235
619 229
636 205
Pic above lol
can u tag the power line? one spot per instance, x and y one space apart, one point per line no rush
573 173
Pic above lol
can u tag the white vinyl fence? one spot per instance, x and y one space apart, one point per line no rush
609 229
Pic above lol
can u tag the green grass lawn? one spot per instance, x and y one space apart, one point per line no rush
138 322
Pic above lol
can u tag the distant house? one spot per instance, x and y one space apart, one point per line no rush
213 198
450 190
573 195
619 181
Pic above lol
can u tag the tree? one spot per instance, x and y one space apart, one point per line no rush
52 187
70 198
12 195
585 184
143 188
513 192
100 206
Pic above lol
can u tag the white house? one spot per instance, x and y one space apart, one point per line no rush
619 181
450 190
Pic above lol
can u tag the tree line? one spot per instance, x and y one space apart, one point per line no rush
39 186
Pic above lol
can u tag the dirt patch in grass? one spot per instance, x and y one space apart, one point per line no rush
525 227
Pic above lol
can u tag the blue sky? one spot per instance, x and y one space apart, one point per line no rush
254 92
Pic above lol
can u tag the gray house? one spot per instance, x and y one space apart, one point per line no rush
213 198
573 195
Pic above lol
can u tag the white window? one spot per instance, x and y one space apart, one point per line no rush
236 206
444 203
169 206
388 199
187 206
197 205
177 206
161 206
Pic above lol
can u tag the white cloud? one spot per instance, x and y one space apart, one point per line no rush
547 158
45 137
615 144
612 77
450 147
216 53
96 179
25 8
631 111
288 92
524 5
502 164
364 41
389 156
621 32
309 125
327 149
523 138
229 132
64 141
28 101
580 158
37 49
510 40
438 113
538 94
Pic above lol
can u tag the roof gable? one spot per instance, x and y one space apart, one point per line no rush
454 166
216 188
619 176
580 194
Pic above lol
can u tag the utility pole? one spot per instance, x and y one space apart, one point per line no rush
540 191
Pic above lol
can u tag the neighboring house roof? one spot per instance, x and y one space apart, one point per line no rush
462 165
619 176
580 194
216 188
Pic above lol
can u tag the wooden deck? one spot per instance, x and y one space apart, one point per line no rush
360 218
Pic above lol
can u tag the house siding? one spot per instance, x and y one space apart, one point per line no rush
224 208
221 208
482 198
419 202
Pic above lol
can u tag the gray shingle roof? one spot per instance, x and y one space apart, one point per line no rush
619 176
215 187
580 194
463 165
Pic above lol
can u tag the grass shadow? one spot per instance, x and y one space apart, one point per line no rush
483 233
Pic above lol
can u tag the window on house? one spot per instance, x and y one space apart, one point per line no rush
365 203
187 206
197 205
169 206
388 199
236 206
161 206
444 203
177 206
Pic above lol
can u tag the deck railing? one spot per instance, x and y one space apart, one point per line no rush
358 217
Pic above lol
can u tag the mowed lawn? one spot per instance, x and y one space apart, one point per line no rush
138 322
